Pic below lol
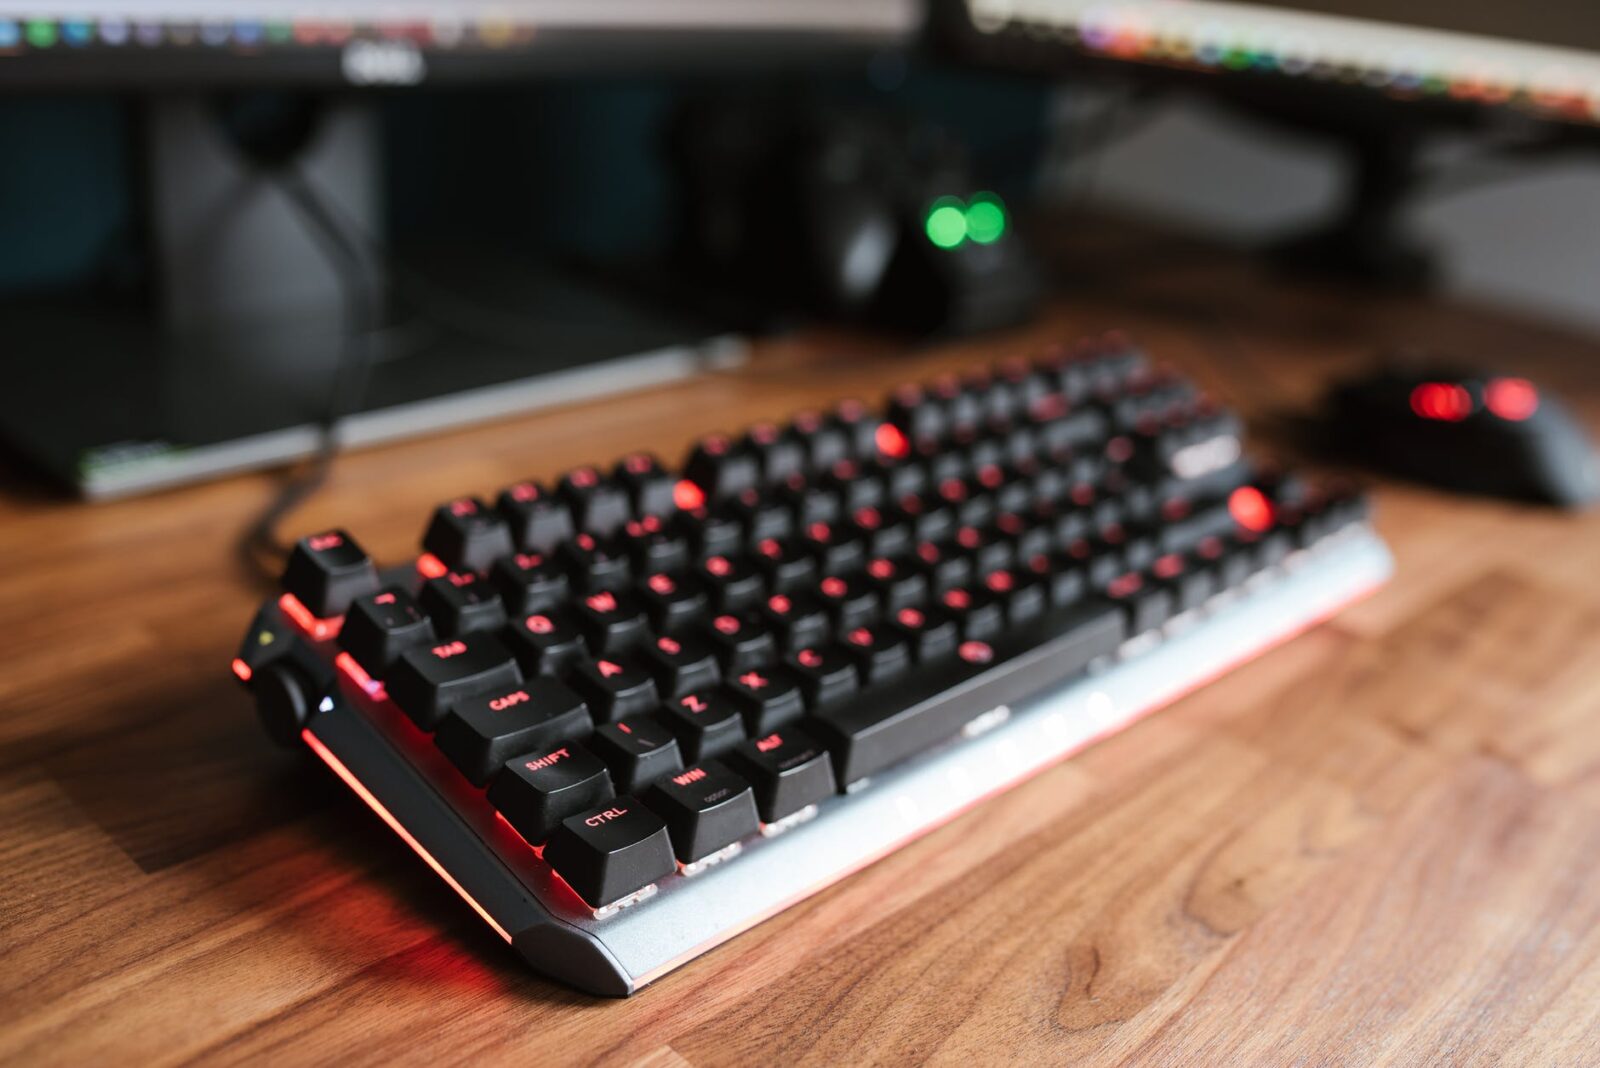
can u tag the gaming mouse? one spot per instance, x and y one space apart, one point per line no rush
1465 430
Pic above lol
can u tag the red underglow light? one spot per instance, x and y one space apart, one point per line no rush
358 675
1443 402
1250 509
688 496
241 669
319 630
373 803
430 566
1513 399
891 441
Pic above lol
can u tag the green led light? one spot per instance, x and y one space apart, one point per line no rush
41 33
946 224
985 219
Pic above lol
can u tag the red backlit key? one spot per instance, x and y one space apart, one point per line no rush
880 653
796 620
706 808
611 851
826 673
546 643
539 522
467 535
733 583
850 600
480 733
706 722
426 681
460 602
599 505
740 643
612 622
722 468
647 483
788 563
539 789
788 769
674 603
327 571
682 663
768 698
529 582
638 750
615 687
381 626
931 631
594 564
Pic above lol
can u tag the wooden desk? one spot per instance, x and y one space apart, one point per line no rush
1376 844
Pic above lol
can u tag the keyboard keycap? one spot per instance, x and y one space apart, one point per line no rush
481 733
598 505
740 643
768 698
880 653
732 582
467 535
826 673
539 789
647 483
638 751
682 664
529 582
706 808
424 682
881 726
721 468
594 564
327 571
546 643
615 687
380 626
539 522
611 622
460 602
707 723
674 603
788 770
611 851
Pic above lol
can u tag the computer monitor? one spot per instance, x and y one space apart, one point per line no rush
232 348
1543 55
153 43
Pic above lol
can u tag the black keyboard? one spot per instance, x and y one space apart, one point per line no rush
630 714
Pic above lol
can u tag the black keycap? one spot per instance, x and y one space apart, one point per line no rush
481 733
327 571
426 681
539 522
529 582
857 485
722 469
467 535
1023 595
917 415
788 563
546 643
615 687
826 673
860 427
883 531
880 653
850 601
461 602
638 751
598 505
810 502
1190 582
779 454
978 612
647 484
944 564
611 851
674 603
611 622
900 583
929 517
788 770
380 626
706 808
540 788
931 631
733 583
796 620
825 442
881 726
654 546
707 723
1147 605
740 643
768 698
837 547
594 564
762 516
712 533
681 664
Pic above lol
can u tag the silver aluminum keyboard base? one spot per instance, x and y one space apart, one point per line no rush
690 915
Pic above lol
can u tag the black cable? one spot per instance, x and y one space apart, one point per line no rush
260 547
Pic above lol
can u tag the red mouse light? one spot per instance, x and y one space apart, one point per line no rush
1513 399
1443 402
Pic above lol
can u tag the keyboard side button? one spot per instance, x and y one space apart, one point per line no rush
539 789
706 808
789 771
611 851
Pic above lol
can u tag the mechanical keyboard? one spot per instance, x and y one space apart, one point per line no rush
632 715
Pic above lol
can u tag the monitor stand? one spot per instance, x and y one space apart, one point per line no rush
228 360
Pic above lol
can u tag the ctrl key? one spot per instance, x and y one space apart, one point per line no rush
612 851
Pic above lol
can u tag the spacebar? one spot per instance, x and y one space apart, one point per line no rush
880 726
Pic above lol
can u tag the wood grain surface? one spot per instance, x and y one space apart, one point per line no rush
1375 845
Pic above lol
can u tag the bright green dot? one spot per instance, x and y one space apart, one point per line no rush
947 223
986 219
41 33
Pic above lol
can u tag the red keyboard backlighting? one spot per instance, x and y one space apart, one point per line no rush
1443 402
430 566
1250 509
358 675
688 496
1513 399
241 669
891 441
319 630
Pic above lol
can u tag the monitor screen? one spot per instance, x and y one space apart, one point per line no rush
1542 54
395 42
